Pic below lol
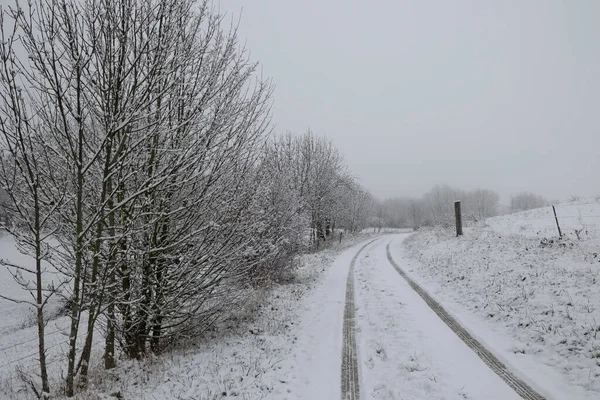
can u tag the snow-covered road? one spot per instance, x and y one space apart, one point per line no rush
405 351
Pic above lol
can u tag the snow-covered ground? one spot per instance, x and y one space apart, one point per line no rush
288 345
13 315
532 297
533 301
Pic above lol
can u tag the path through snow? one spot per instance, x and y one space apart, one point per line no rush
406 351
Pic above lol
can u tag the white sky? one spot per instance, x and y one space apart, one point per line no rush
497 94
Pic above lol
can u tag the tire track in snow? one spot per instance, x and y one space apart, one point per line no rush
522 388
350 380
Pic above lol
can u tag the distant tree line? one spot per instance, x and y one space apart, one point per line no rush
436 207
527 201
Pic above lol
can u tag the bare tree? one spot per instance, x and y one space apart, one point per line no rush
440 202
319 176
136 163
4 208
27 204
480 204
358 205
416 213
526 201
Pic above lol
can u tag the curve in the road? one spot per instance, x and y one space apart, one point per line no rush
350 380
522 388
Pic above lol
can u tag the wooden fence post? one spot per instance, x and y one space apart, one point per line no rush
557 225
458 217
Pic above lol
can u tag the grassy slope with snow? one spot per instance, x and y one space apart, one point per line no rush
514 271
578 217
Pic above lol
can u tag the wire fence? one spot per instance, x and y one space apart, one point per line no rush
3 349
56 357
25 357
552 217
579 221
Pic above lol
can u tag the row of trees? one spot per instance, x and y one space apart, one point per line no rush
136 162
312 170
436 207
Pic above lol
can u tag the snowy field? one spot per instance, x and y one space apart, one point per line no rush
533 297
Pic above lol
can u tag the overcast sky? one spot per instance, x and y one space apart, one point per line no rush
497 94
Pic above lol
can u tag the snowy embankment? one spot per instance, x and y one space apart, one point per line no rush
531 296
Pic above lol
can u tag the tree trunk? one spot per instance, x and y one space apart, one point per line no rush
39 295
96 293
79 249
109 348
